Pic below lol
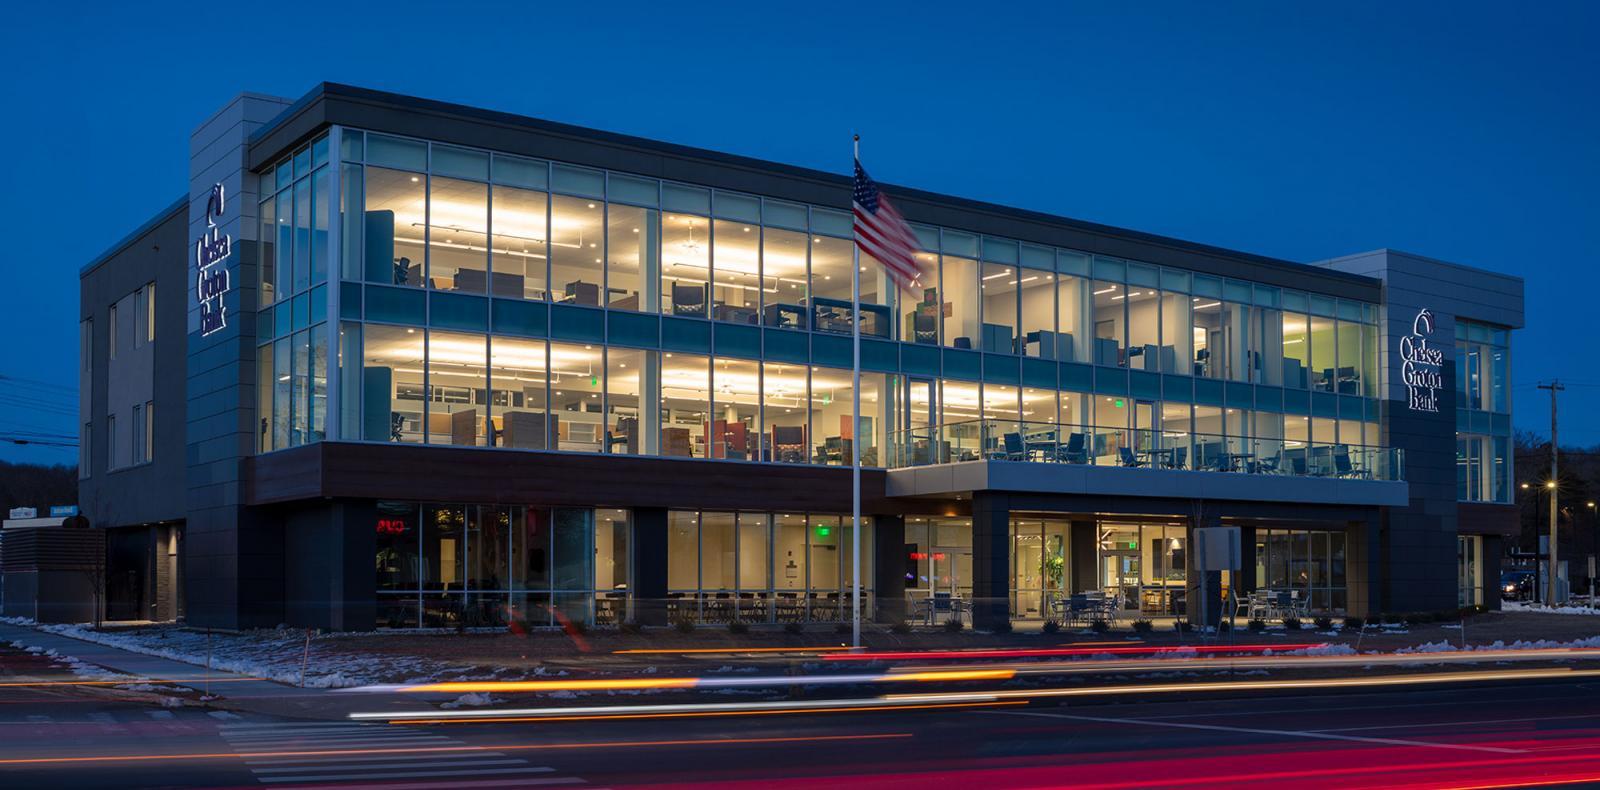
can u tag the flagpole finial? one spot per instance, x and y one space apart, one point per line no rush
856 137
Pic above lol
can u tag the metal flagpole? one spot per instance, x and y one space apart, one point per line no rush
855 432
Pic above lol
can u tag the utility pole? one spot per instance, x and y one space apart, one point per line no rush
1555 474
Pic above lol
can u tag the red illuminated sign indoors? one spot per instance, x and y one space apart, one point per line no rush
391 526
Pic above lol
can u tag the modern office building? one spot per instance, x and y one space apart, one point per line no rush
395 363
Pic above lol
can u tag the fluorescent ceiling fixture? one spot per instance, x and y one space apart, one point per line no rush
1105 290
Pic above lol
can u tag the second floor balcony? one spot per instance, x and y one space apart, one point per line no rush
1054 443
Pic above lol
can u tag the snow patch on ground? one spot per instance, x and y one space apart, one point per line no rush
473 700
1524 606
272 654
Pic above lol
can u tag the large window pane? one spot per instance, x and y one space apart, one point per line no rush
488 547
521 251
1296 350
683 550
685 404
999 288
633 242
625 370
612 533
755 571
824 552
392 403
785 401
397 546
736 266
458 235
1110 329
830 283
1323 356
1267 347
267 269
1037 328
318 380
685 264
572 550
789 551
458 388
577 236
1147 349
576 381
395 228
1347 376
831 404
518 372
444 547
320 220
1074 308
783 278
717 543
736 431
300 348
302 235
879 415
960 283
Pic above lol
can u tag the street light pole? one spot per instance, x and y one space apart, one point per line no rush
1555 474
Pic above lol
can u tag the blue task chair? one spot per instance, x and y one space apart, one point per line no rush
1014 448
1075 452
1126 454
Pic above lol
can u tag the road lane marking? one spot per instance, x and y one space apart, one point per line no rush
532 769
1260 731
1466 723
368 766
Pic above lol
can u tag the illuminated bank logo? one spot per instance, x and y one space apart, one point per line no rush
1421 364
211 271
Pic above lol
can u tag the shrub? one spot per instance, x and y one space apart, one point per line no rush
793 628
841 628
684 626
577 627
1224 626
1181 626
1390 618
1051 626
1418 618
1257 625
738 627
1324 622
631 627
1448 616
1002 627
1355 623
953 625
1291 623
1099 626
1143 626
901 627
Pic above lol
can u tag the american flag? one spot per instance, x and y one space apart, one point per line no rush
882 233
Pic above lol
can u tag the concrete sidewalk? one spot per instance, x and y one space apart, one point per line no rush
233 691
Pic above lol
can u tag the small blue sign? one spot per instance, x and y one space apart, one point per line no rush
62 511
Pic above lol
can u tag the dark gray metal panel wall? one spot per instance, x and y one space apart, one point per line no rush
650 565
1414 555
234 562
991 559
331 581
150 492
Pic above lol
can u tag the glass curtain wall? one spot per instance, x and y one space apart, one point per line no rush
762 567
443 565
1307 564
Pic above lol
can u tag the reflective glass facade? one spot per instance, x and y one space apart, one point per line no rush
497 301
1483 413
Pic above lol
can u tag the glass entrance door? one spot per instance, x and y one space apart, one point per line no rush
952 571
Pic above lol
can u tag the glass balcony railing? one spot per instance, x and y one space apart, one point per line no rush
1043 442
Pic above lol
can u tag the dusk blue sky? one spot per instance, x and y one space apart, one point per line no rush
1460 131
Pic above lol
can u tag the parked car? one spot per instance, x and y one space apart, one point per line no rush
1517 585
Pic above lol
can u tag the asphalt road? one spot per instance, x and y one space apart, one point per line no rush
1485 735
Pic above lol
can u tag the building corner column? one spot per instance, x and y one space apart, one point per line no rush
991 561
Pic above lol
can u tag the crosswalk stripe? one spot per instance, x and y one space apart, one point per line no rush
466 761
301 746
456 784
423 774
367 758
343 736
